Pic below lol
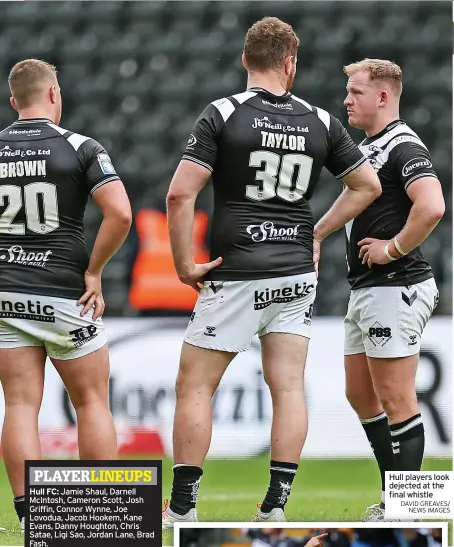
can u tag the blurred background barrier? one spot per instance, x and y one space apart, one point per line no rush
135 76
144 357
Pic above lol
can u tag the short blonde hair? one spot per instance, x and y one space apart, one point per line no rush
268 43
29 78
378 69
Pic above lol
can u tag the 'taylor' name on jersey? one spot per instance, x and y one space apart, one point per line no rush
30 168
283 140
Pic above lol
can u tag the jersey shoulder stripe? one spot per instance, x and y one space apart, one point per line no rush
322 115
57 128
399 134
74 139
225 107
245 96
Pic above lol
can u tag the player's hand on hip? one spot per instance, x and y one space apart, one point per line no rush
194 277
316 541
316 254
92 297
373 251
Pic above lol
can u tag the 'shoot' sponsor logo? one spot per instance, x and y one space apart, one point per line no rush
267 231
263 299
18 255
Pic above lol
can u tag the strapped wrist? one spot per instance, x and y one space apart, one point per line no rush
388 254
399 248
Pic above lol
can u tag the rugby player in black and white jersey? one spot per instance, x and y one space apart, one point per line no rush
393 291
264 150
50 289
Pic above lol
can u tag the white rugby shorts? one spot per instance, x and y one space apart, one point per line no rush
388 322
228 314
55 323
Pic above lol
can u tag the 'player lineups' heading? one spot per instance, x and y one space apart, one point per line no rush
89 476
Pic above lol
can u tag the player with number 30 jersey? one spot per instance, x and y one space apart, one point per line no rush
265 153
264 149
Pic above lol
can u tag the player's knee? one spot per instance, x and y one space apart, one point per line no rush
282 387
24 402
95 398
27 396
396 402
187 387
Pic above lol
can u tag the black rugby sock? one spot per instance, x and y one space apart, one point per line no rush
379 435
185 488
19 505
281 479
408 442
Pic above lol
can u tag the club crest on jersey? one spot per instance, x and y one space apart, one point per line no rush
191 142
374 151
106 164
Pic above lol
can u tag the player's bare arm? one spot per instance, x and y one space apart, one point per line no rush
426 212
113 202
188 181
362 188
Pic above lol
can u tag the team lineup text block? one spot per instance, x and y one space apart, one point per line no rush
93 503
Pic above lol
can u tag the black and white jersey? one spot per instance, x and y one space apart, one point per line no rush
46 176
265 153
399 157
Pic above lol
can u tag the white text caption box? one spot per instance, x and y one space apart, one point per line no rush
419 494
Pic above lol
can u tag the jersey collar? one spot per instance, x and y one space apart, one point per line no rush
390 126
32 120
286 95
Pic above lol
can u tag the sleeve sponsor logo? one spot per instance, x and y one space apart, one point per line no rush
106 164
415 163
192 141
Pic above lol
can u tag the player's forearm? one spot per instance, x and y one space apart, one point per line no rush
421 222
347 206
111 235
180 219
